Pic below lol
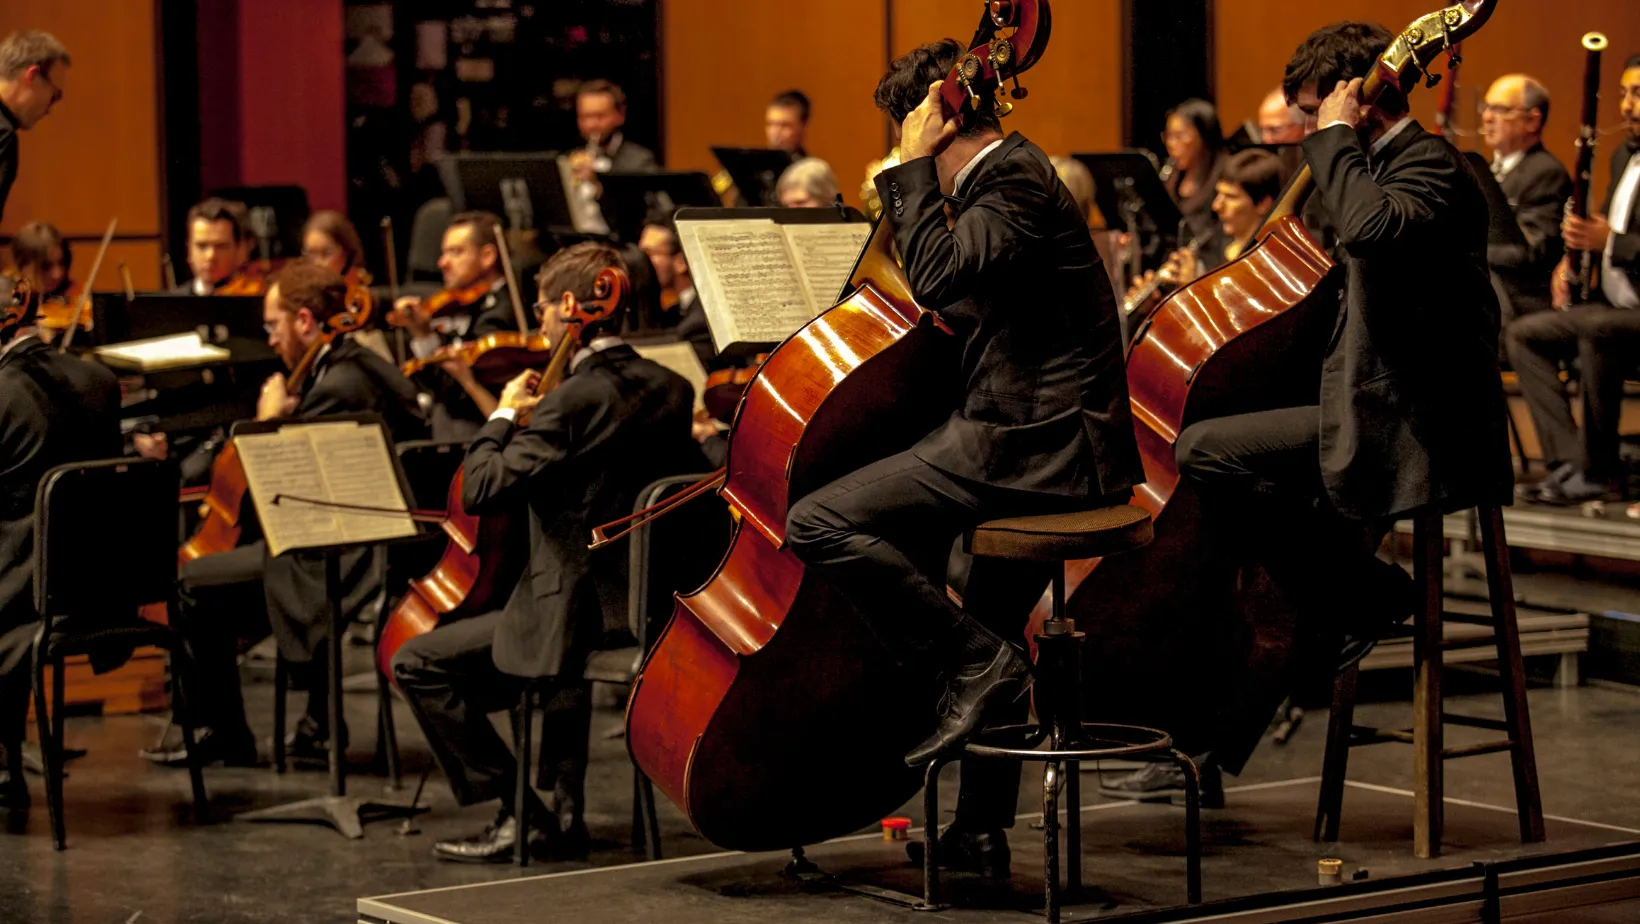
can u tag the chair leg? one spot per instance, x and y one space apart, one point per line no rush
281 681
931 835
521 786
1523 757
182 712
51 754
1051 772
1335 764
639 834
1192 827
1428 736
653 841
387 735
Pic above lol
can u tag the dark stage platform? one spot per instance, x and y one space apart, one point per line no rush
1133 863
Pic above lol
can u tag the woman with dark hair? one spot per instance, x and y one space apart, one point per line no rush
330 240
1195 154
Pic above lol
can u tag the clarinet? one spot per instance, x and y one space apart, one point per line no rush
1583 261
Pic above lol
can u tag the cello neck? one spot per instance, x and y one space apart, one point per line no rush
1291 203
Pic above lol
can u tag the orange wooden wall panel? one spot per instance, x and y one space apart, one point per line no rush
1254 38
97 154
1075 101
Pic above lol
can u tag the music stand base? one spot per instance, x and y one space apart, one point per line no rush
347 814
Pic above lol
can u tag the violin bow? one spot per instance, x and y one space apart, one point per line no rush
392 256
85 295
512 280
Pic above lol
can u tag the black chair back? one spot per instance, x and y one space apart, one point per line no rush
427 241
674 554
105 537
430 466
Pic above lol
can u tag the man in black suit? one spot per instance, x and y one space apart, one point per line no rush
54 409
1603 336
616 423
239 594
1411 412
33 69
1537 184
470 259
600 112
1042 423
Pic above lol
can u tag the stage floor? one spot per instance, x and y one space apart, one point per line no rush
1133 860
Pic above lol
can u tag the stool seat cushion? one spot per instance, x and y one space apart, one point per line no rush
1064 536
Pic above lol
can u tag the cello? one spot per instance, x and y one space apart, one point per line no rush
486 555
766 709
1249 336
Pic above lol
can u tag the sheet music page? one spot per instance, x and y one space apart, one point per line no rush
748 283
160 352
357 468
825 255
284 462
680 358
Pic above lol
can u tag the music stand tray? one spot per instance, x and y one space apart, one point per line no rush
1126 183
629 197
755 172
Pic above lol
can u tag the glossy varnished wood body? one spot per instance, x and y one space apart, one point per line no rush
219 524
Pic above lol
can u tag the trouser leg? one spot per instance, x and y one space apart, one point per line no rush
566 728
1537 345
220 601
16 686
1606 355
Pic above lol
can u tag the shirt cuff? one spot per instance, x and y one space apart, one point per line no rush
505 413
426 346
1337 122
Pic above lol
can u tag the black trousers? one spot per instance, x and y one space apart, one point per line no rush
16 686
1605 341
1259 479
452 683
222 608
883 537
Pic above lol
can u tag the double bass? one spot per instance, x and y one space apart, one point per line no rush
766 709
486 555
1249 336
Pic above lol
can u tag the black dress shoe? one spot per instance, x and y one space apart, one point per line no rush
237 750
1393 597
985 852
1006 674
14 798
1577 488
492 845
1529 490
1164 782
309 743
571 844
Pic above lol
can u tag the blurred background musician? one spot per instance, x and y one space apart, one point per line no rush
241 594
1512 119
807 184
219 245
470 261
1079 181
329 240
616 423
786 123
54 409
33 71
600 111
659 242
43 260
1278 121
1195 158
1603 336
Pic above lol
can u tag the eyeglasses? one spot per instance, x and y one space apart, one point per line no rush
1485 109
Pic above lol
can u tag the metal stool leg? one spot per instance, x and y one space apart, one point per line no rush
1073 827
1051 772
1335 764
1427 731
1500 588
51 754
387 733
1192 826
521 786
182 712
931 835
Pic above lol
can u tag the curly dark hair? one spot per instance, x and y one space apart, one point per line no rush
1341 51
304 285
906 84
575 270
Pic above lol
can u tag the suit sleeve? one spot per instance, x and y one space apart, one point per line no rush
1367 213
346 389
944 264
1541 205
8 165
503 459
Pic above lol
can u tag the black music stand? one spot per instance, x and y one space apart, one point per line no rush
345 813
1504 228
1130 195
629 198
526 190
755 171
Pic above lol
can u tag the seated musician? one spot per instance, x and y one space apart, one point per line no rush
1195 157
659 242
471 262
43 260
1279 122
1246 191
1603 336
330 240
219 244
1538 187
1411 408
238 595
616 423
1041 426
786 123
600 112
54 409
806 184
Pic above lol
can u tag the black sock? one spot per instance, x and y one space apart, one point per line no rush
973 642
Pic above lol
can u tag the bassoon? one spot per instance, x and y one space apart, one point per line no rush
1582 261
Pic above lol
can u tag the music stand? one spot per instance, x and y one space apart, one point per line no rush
1131 196
286 207
1504 228
755 171
345 813
525 190
629 197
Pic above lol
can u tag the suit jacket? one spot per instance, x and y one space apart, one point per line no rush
1625 247
1044 394
489 315
1412 408
348 379
1538 188
692 329
615 424
54 409
632 158
8 154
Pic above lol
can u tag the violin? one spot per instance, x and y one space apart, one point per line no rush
446 300
724 388
250 279
486 555
494 358
1246 337
715 717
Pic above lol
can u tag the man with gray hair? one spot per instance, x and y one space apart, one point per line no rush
33 67
1537 184
807 184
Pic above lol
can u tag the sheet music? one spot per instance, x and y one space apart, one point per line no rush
358 469
825 255
748 283
283 462
161 352
339 462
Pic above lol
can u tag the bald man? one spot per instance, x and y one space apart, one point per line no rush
1512 120
1279 123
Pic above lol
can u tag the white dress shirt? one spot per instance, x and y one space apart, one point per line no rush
1613 281
973 164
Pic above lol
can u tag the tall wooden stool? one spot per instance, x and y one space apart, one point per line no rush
1060 740
1427 735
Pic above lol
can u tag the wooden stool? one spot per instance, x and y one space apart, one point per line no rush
1427 735
1069 741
